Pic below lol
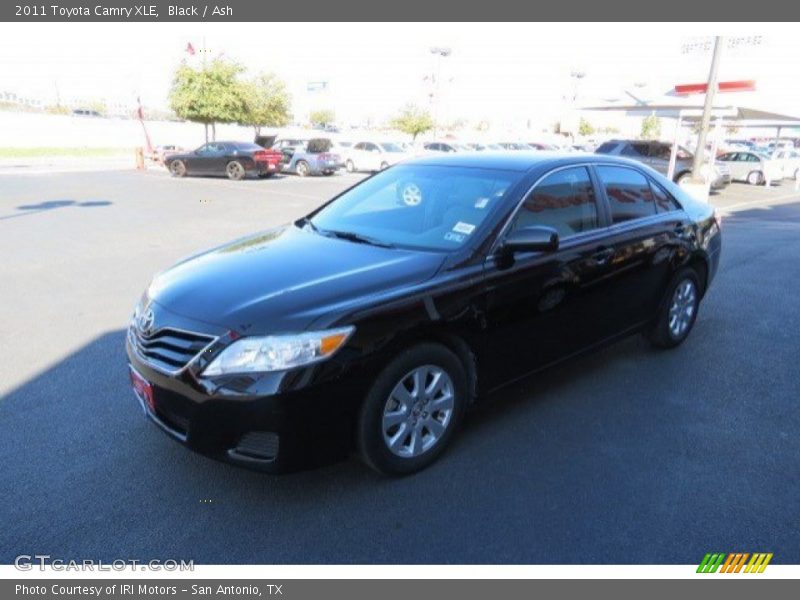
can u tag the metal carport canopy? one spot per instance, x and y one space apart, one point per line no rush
689 109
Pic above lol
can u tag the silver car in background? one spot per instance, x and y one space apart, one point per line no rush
752 167
657 154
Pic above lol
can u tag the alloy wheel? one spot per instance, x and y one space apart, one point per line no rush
235 170
682 309
418 411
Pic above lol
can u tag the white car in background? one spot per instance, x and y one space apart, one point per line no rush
373 156
438 147
752 167
789 160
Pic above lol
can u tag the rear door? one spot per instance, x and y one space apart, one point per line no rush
640 243
372 157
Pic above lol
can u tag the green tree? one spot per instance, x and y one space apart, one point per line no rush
209 95
585 128
267 103
413 120
324 116
651 128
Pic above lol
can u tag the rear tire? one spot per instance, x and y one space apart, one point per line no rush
302 168
177 168
412 410
683 178
755 178
235 170
351 168
384 165
679 310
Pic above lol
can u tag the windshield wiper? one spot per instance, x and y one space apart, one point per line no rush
306 221
356 237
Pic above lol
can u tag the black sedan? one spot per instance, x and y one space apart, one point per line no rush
236 160
376 321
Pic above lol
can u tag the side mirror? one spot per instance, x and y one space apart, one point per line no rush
536 238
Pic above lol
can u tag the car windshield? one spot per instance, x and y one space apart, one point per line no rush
420 207
389 147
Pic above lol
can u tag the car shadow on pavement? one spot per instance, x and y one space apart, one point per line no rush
592 461
47 205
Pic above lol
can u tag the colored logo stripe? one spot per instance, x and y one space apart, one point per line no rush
733 562
710 563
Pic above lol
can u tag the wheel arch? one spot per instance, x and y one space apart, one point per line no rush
680 174
455 342
700 263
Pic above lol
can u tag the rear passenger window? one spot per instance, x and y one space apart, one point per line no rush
563 200
664 202
606 148
629 194
636 150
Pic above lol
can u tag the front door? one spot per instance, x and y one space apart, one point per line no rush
543 306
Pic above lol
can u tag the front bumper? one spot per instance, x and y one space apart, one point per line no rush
273 422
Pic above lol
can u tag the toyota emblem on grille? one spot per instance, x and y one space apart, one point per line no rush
145 322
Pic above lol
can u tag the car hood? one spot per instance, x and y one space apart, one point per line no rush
285 279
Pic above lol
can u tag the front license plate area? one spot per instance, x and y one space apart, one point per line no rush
143 390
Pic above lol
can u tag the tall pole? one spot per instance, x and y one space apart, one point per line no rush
440 53
711 90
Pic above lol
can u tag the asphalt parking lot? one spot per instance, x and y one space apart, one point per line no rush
628 456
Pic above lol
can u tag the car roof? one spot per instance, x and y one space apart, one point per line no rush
518 161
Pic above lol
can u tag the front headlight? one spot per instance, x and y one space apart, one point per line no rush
278 352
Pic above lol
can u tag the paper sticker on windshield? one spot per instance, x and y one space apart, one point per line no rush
454 237
465 228
481 202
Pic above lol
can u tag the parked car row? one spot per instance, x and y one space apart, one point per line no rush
325 156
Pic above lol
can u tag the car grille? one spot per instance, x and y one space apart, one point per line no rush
168 350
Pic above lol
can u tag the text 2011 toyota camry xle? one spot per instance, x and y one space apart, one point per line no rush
377 320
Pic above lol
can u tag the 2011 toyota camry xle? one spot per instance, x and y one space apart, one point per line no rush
373 323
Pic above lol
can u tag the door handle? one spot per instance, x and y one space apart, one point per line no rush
602 255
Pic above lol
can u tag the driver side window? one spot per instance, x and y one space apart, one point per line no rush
564 200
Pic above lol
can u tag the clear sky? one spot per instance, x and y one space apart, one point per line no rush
495 72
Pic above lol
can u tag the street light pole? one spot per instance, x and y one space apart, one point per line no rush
440 54
711 90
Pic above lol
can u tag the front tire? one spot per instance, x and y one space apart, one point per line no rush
235 170
351 168
177 168
755 178
412 411
679 311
